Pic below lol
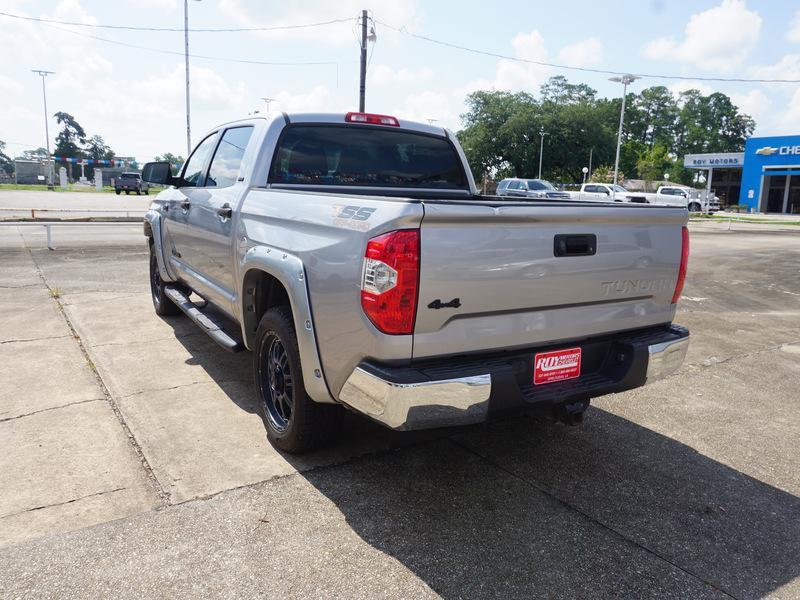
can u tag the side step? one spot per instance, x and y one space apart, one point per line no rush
205 322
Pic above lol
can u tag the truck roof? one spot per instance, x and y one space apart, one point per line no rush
338 118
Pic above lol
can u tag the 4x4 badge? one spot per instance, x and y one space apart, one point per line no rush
437 304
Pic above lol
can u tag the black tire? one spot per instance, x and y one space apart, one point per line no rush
127 192
694 207
294 422
163 306
147 192
138 192
117 192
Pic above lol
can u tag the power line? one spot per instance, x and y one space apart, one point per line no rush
405 32
176 29
201 56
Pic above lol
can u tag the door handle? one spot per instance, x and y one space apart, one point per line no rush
185 205
575 244
225 211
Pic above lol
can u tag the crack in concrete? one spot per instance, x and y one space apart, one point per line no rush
183 385
708 363
134 342
159 490
36 412
48 337
35 508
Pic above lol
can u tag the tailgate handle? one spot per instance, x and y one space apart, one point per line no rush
575 244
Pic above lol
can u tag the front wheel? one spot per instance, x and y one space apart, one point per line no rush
163 306
294 422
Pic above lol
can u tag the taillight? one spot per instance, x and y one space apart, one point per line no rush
684 262
370 119
390 280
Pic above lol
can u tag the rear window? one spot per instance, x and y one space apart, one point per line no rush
129 176
538 184
365 156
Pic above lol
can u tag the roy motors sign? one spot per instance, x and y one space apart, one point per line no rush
720 160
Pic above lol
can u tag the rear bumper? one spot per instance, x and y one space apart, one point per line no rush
465 390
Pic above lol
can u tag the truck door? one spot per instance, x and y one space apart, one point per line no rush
209 249
179 205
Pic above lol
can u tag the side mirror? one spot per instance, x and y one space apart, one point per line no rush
606 192
158 172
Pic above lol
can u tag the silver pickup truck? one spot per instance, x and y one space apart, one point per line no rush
353 256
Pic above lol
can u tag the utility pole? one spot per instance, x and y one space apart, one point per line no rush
591 150
624 80
363 89
541 150
44 74
186 59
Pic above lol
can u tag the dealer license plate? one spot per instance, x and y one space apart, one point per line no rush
558 365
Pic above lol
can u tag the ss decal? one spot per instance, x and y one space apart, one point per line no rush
356 213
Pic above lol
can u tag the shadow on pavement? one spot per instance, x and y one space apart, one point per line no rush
529 508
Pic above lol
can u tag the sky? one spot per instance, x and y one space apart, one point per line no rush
128 86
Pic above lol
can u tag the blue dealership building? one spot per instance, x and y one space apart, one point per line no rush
765 178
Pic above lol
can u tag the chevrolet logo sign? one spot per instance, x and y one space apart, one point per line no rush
766 150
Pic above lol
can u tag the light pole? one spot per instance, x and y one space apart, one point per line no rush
186 59
371 37
541 149
624 80
584 170
268 101
43 75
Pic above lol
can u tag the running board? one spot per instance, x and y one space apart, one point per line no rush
202 320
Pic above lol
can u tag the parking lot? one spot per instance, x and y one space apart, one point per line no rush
134 463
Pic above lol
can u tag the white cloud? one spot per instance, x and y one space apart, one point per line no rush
516 76
9 87
691 84
316 100
788 67
400 13
429 105
754 103
386 75
793 35
582 54
718 39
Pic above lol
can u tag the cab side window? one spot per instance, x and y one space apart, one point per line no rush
224 168
193 173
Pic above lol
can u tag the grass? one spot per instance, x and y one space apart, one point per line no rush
70 188
744 219
55 293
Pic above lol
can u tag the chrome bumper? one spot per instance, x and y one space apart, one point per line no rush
422 405
665 358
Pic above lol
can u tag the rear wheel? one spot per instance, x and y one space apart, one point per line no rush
117 192
138 192
127 192
294 422
694 207
163 306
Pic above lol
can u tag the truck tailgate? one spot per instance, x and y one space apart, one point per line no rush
490 276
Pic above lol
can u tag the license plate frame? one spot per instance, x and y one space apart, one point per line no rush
557 365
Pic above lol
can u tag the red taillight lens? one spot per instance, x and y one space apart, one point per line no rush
390 281
370 119
684 262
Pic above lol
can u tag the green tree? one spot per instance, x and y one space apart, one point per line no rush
605 174
38 154
653 163
175 160
710 124
96 149
69 139
6 164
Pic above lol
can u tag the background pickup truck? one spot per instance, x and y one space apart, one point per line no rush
353 256
678 195
131 182
601 192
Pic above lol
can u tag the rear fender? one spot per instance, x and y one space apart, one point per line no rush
289 270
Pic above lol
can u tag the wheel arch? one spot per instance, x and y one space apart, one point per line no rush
271 277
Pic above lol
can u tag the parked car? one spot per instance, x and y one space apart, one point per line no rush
679 195
601 192
354 257
131 182
530 188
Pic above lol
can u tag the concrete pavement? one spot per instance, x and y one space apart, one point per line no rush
686 488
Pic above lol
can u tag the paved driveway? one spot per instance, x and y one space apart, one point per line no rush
134 464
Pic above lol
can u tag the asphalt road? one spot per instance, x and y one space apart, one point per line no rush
134 464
